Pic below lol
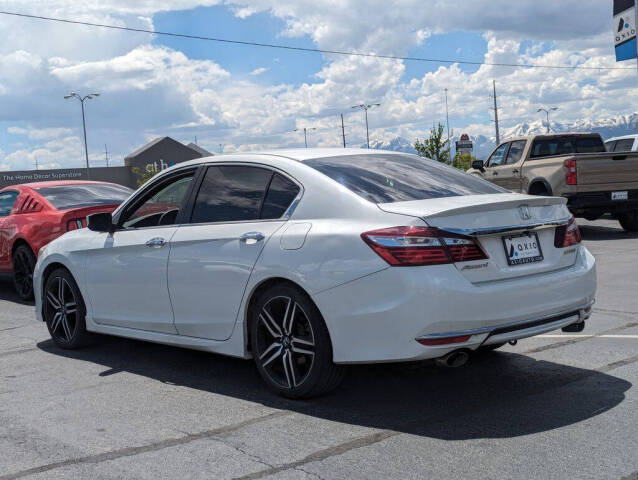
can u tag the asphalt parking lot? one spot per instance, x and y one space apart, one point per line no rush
558 406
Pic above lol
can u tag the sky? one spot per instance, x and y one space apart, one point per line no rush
235 97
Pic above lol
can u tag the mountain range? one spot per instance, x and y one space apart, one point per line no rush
483 145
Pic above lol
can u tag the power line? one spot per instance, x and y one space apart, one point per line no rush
311 50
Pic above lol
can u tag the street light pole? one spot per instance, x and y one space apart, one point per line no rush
553 109
365 107
447 117
305 134
86 148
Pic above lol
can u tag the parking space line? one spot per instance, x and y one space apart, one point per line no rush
131 451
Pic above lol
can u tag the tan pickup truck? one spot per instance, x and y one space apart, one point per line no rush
575 166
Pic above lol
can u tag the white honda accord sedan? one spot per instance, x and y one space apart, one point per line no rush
305 260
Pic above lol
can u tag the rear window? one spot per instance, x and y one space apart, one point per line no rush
547 147
382 178
84 195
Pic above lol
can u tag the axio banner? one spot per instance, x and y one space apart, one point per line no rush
625 29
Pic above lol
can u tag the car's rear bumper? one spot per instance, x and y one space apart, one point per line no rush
579 203
379 317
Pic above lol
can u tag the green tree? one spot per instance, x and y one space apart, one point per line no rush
144 176
463 161
434 147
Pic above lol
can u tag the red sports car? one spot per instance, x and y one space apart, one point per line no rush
34 214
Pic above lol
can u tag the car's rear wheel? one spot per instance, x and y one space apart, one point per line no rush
64 310
23 265
291 344
629 221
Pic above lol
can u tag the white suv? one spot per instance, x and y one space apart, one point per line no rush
626 143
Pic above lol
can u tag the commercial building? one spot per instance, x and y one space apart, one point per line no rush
146 161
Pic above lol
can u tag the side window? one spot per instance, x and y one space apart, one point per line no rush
281 194
230 194
611 146
7 200
497 158
162 205
516 151
624 145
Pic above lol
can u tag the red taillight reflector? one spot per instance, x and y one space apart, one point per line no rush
444 340
571 175
75 224
567 235
417 246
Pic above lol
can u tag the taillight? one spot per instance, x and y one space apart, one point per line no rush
415 246
571 175
567 235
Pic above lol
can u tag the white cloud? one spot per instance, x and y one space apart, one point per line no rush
150 90
259 71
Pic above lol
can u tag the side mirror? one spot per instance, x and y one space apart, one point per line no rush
478 165
100 222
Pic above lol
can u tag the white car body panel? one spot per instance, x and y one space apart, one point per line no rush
374 312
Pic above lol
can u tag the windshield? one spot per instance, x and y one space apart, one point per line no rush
388 178
84 195
547 147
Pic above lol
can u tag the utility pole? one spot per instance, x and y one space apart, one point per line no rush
498 135
366 107
36 163
447 117
221 148
106 155
343 132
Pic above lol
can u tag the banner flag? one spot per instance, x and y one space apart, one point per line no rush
625 29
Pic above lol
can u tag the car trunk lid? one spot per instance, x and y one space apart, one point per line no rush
500 223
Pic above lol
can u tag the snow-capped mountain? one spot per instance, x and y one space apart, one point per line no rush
483 145
397 144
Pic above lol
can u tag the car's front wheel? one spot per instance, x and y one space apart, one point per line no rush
64 310
23 265
291 344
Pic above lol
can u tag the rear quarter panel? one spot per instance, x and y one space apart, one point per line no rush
549 169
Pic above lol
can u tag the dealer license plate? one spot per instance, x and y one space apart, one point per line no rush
522 249
620 195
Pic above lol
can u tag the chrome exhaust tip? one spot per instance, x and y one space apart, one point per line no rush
454 359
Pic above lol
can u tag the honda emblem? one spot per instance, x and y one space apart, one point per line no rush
525 212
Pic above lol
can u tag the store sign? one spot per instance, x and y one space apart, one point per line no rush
464 145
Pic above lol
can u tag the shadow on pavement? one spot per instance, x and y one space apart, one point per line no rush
497 395
598 232
8 293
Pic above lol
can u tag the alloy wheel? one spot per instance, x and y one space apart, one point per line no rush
23 273
61 310
285 342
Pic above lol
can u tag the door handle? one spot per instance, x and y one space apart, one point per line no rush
494 173
515 171
157 242
251 237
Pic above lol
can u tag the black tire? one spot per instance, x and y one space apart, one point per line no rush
23 265
490 348
538 189
64 311
291 344
629 221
